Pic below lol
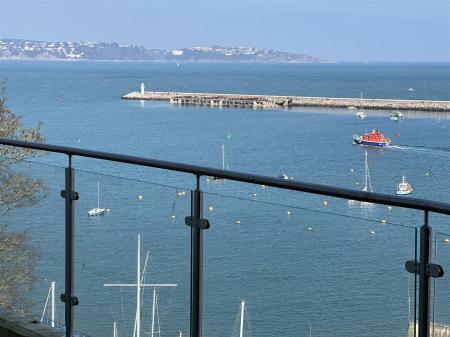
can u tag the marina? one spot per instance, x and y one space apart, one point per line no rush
220 100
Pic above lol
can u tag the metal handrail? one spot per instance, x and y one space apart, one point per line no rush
332 191
423 268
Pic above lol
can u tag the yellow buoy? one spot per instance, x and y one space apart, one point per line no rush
210 209
140 197
325 203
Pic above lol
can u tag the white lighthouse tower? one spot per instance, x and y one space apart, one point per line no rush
142 88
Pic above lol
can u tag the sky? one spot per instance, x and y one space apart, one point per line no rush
341 30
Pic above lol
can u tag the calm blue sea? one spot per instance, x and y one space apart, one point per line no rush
299 261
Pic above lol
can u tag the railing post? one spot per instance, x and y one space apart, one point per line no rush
70 196
425 269
424 278
197 224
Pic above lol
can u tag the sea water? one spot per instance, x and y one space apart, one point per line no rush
298 260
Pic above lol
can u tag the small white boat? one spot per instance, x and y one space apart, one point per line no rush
97 210
360 113
351 108
411 89
397 115
404 188
283 176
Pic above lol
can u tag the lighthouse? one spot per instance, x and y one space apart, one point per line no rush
142 88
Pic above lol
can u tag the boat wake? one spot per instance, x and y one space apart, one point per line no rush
428 149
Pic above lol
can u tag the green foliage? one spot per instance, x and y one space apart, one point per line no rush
18 256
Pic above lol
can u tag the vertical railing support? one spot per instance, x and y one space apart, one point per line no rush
70 196
197 224
424 278
425 269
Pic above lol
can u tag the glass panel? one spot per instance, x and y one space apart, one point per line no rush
328 268
106 255
440 310
32 239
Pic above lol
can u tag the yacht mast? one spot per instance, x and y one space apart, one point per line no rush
115 329
223 157
138 290
366 167
139 284
51 296
53 303
153 311
98 193
368 183
241 331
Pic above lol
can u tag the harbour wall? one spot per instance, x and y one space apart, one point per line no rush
266 101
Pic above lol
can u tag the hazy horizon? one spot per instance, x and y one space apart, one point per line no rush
348 31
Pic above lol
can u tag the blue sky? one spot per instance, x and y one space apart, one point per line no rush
345 30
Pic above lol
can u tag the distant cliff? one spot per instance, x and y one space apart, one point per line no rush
13 49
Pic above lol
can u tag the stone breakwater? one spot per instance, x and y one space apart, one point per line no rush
265 101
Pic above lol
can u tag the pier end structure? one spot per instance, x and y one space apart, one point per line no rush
272 101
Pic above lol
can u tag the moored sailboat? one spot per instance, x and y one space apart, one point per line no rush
97 210
367 182
360 112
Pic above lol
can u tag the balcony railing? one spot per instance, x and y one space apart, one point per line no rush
418 261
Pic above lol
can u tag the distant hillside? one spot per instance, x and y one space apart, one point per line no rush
13 49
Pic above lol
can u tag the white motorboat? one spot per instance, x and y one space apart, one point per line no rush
404 188
397 115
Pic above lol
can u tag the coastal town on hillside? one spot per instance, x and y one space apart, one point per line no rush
20 49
